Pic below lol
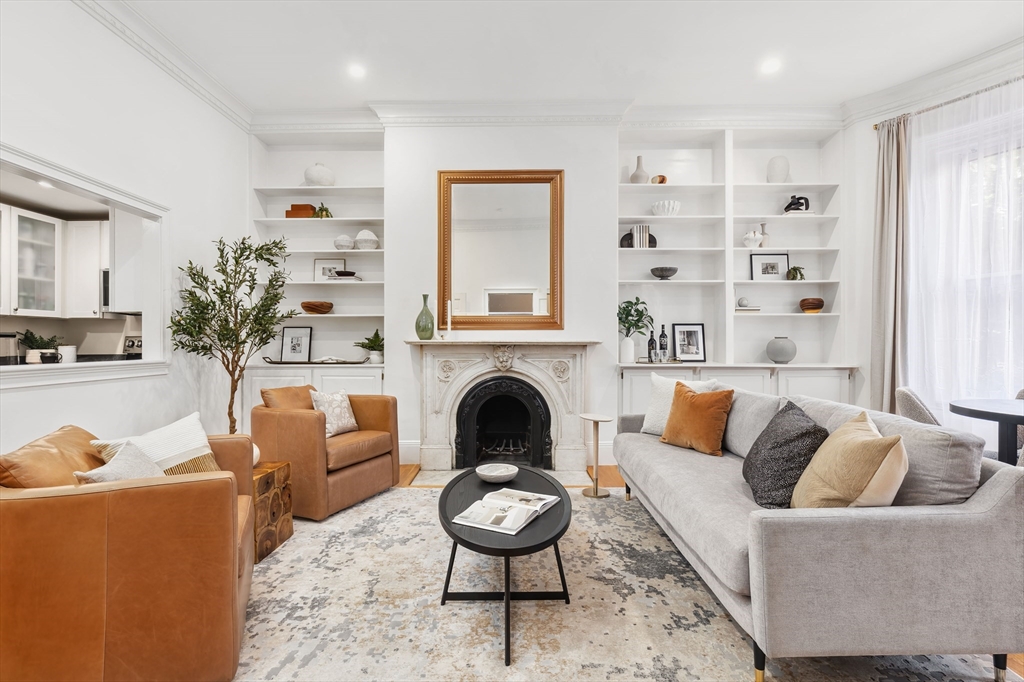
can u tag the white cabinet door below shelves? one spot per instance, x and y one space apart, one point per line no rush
826 384
756 380
82 279
636 386
357 381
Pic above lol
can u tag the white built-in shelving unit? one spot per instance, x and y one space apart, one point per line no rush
278 162
719 176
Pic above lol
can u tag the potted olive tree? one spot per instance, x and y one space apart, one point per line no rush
230 315
633 319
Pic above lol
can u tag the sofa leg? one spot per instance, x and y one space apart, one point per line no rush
627 493
999 663
758 663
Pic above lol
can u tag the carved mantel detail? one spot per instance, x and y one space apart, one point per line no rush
503 357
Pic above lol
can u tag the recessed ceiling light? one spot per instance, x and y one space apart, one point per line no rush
770 65
44 183
356 71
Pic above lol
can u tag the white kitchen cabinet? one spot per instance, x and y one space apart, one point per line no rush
34 260
357 379
127 261
82 279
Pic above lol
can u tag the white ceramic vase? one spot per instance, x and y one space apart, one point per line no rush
778 169
376 357
764 235
627 351
639 176
33 356
752 239
319 175
781 350
68 354
343 242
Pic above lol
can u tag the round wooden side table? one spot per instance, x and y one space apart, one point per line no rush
596 419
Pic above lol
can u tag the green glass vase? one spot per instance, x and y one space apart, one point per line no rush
425 322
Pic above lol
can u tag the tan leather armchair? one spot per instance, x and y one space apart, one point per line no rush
133 580
328 474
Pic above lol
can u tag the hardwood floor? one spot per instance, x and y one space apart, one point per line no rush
609 476
1015 662
406 474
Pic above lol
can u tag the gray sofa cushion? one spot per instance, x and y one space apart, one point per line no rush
778 457
750 413
704 499
945 465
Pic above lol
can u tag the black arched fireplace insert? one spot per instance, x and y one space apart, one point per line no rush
503 419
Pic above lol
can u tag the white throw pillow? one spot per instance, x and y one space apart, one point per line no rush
662 391
338 410
178 448
128 464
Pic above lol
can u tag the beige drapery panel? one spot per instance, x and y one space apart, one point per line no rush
889 306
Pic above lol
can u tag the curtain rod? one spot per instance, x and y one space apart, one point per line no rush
957 99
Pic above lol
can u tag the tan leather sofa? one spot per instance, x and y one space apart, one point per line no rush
133 580
328 474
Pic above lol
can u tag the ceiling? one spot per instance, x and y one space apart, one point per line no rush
27 193
294 55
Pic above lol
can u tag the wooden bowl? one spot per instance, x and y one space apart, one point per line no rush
317 307
812 305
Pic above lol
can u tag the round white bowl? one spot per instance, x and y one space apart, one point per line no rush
497 473
665 207
367 244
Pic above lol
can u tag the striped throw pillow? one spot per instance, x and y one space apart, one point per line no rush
178 448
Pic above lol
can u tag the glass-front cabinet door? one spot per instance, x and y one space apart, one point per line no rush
36 270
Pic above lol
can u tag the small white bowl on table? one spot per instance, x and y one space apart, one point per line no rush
497 473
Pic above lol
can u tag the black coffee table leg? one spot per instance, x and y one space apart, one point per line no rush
1008 443
561 573
448 578
508 615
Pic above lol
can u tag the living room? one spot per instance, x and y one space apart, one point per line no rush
736 288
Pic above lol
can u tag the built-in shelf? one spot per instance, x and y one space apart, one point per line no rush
801 315
674 249
787 218
30 278
348 191
677 282
369 316
299 252
765 188
346 283
23 240
667 220
791 249
648 188
784 282
656 366
326 222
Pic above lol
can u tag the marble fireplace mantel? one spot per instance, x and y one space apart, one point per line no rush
450 368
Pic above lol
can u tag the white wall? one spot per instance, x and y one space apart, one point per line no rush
588 155
75 94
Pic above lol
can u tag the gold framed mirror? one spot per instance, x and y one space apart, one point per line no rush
499 262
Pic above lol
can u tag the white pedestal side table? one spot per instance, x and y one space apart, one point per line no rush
596 419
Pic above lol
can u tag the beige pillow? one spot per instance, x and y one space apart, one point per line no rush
178 448
697 420
854 467
337 409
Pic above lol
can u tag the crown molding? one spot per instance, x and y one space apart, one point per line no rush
983 70
125 22
683 117
315 120
454 113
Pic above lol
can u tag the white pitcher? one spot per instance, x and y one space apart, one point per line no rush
752 239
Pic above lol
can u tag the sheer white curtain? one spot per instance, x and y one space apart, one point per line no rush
965 253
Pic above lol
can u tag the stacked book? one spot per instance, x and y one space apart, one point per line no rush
641 236
344 276
749 309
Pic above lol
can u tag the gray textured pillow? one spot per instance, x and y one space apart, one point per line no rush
748 417
129 463
780 454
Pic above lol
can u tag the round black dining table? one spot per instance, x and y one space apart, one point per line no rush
1008 412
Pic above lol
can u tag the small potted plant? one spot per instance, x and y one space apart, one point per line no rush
38 348
795 273
633 319
375 346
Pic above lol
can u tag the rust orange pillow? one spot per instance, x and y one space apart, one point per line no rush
697 420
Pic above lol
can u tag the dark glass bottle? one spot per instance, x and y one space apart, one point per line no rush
663 339
652 346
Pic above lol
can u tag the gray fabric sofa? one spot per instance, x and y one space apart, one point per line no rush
920 577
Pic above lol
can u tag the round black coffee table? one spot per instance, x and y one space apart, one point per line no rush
541 533
1009 413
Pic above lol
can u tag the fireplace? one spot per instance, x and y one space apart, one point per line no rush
503 419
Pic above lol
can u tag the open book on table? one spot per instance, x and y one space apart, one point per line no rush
506 511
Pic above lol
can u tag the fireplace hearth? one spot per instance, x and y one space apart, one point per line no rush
503 419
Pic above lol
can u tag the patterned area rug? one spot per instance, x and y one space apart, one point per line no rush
357 597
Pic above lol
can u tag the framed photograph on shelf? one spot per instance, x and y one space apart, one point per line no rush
295 344
328 269
765 267
688 342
